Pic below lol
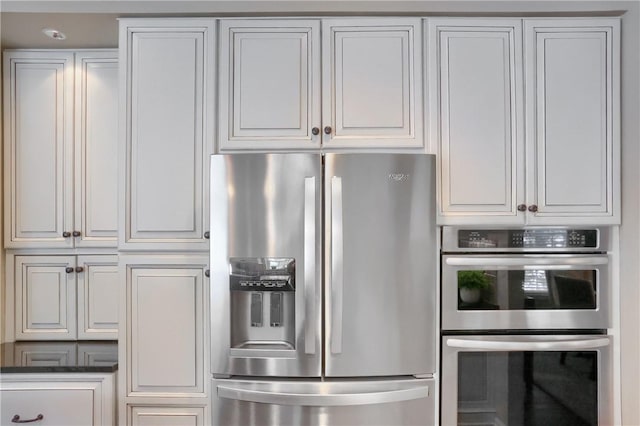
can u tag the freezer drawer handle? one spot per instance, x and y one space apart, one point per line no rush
559 345
309 264
323 399
336 265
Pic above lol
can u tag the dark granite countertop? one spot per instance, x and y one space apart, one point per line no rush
59 357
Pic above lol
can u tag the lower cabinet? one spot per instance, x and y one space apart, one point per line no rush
164 346
69 399
166 416
61 297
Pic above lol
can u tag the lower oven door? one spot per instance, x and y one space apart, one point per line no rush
525 292
527 380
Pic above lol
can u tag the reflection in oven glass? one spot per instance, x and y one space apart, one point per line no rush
527 289
527 388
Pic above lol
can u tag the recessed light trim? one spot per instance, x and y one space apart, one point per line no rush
54 34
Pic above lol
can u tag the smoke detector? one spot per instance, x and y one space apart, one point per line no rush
54 34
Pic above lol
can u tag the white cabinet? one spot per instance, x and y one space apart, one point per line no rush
71 399
573 109
64 297
60 180
476 104
165 349
166 118
552 159
283 85
166 416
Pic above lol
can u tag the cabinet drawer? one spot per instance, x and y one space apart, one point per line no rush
57 406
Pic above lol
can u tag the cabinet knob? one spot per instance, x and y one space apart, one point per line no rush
522 207
66 234
69 269
315 131
207 235
327 130
76 233
533 208
16 419
207 273
79 269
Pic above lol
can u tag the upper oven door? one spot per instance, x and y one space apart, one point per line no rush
525 292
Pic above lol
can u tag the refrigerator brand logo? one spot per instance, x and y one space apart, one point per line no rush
398 177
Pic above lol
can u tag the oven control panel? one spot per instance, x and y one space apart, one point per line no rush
529 238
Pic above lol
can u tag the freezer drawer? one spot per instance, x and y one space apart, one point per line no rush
345 402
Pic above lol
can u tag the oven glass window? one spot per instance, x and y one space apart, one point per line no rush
527 289
528 388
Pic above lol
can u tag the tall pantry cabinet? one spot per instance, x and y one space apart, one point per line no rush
167 113
60 189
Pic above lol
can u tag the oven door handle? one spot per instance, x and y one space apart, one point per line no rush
546 260
548 345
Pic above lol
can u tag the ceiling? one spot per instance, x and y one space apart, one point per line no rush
93 23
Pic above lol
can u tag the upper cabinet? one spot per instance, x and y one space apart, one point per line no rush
334 83
60 148
167 114
476 106
532 143
573 119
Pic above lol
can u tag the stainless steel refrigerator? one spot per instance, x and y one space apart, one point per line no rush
323 289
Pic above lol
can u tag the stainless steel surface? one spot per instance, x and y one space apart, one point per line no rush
450 240
256 212
379 264
389 264
485 318
337 270
315 397
528 261
517 343
311 302
453 346
400 402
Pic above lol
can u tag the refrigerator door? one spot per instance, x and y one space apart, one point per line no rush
380 264
265 265
334 403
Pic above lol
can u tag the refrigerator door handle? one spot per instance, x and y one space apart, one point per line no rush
309 264
407 393
336 265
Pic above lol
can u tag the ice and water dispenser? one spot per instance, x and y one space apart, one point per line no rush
262 302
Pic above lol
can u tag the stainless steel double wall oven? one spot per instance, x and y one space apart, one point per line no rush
525 314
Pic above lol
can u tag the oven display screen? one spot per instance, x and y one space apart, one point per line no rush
528 238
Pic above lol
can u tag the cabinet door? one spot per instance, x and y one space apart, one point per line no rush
97 297
476 111
165 322
38 140
572 81
69 399
269 84
168 64
372 82
166 416
96 160
45 292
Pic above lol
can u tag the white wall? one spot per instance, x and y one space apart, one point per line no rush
630 230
